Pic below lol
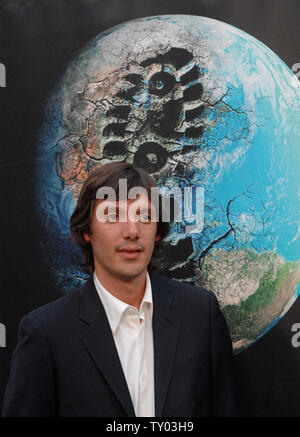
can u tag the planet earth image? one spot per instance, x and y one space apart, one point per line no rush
194 102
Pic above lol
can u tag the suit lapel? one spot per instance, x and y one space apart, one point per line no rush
98 340
166 328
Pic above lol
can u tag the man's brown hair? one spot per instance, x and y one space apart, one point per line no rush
108 175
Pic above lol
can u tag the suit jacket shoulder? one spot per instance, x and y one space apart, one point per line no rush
58 312
186 298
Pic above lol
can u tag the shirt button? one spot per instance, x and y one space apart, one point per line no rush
144 377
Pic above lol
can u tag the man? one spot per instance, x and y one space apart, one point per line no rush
130 342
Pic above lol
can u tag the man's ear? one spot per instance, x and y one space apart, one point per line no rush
157 238
86 237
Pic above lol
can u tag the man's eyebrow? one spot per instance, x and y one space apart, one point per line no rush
143 209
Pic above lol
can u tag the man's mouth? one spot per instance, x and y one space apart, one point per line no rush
130 252
131 249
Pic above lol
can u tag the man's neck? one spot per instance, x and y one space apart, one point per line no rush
128 290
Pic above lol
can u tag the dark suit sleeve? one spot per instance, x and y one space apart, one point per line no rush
223 383
31 386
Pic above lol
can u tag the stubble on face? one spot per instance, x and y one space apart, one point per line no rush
114 245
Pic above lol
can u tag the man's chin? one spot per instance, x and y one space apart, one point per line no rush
132 272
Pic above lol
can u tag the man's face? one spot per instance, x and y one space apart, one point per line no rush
122 237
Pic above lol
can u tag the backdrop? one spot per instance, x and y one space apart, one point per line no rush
38 42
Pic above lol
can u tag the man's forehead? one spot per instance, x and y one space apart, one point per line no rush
142 200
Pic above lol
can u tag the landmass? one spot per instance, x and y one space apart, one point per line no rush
253 289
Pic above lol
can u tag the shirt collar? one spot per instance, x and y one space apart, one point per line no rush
115 307
147 298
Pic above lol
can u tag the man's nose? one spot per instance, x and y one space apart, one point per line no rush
131 229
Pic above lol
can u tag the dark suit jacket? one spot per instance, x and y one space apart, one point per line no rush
66 362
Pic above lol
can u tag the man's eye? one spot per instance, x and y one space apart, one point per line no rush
146 218
112 218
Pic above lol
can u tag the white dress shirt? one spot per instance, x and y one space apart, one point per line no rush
133 335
